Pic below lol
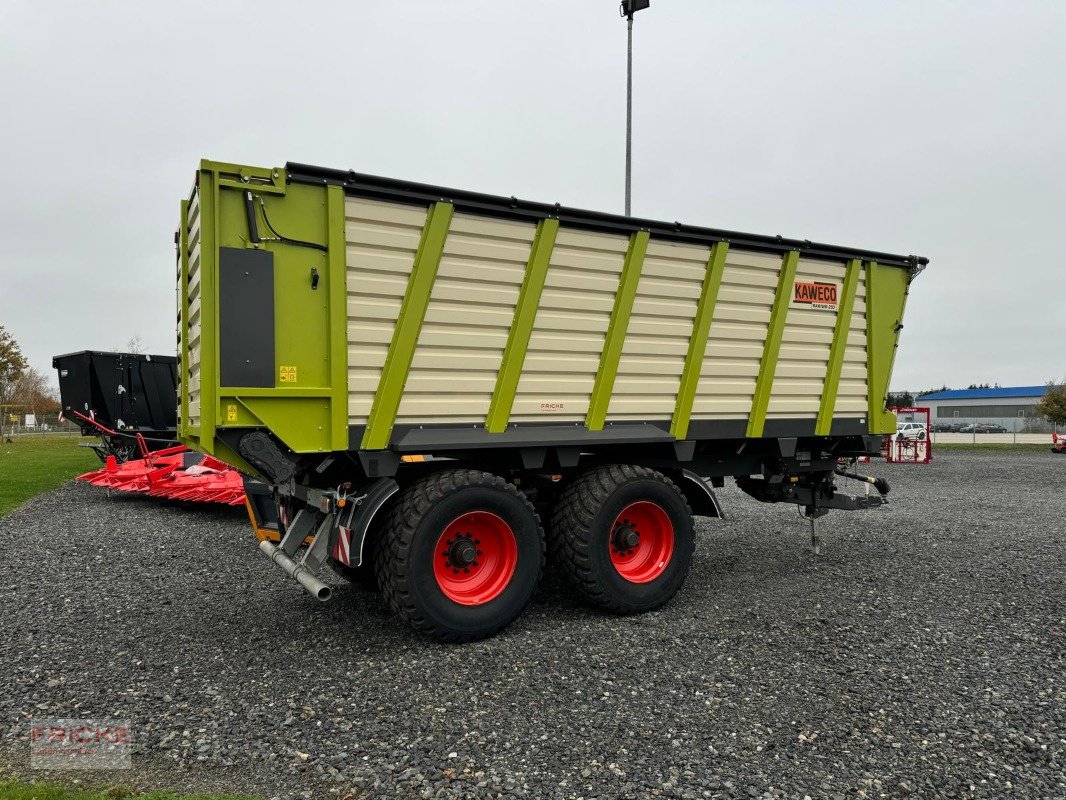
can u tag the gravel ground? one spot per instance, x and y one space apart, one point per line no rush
922 654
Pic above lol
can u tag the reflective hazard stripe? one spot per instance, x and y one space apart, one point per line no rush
343 548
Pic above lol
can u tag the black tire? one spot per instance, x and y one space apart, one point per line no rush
405 551
362 576
583 526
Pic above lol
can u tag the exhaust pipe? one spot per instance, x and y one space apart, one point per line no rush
298 572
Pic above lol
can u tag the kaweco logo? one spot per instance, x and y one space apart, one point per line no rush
822 296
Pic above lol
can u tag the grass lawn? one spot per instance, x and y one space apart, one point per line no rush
1026 446
36 463
11 789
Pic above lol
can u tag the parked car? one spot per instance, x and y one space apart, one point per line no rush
911 430
946 427
982 427
1058 443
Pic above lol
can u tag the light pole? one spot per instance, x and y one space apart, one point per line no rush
627 9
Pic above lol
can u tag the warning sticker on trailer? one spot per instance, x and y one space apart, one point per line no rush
816 295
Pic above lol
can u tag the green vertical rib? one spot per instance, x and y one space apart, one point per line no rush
616 331
768 366
874 398
886 296
408 326
525 312
337 283
894 287
836 352
697 343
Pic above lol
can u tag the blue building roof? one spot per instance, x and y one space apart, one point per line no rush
985 394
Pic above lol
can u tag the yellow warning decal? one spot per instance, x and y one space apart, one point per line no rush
287 374
231 413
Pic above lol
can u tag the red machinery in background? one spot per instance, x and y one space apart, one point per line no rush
176 473
912 442
128 402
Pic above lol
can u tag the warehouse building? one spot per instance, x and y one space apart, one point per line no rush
1013 407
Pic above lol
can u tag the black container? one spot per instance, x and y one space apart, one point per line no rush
126 392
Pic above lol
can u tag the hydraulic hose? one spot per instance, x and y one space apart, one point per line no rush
878 483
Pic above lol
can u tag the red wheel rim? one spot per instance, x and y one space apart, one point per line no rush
475 558
642 541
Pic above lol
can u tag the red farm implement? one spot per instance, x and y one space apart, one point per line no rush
175 473
911 443
128 403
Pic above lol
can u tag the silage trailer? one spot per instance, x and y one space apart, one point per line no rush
442 387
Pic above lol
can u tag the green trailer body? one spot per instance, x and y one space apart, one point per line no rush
332 325
440 319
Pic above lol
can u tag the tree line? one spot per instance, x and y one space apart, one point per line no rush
23 389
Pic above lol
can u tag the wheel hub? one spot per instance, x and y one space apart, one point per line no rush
626 537
462 552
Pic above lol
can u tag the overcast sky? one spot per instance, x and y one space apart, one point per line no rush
935 128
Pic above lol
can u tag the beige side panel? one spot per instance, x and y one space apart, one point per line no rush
664 310
738 331
805 344
193 220
382 241
568 334
852 392
470 310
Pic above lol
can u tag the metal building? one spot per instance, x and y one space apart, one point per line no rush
1013 407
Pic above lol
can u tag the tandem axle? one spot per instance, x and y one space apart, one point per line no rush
344 527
